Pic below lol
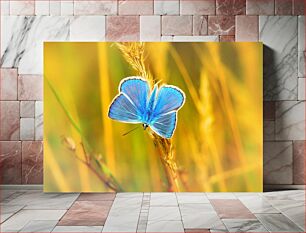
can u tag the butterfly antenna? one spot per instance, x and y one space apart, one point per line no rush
130 131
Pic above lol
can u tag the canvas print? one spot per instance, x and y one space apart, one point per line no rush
153 117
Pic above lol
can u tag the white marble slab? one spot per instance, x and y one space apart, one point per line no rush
278 163
221 196
165 226
257 205
42 7
301 89
9 210
78 229
199 198
39 226
150 28
87 28
66 7
301 46
160 213
55 8
241 225
166 7
22 40
290 120
26 128
277 223
5 7
279 35
39 120
294 195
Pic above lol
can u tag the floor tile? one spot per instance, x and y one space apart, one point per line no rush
165 226
96 197
200 220
297 195
197 231
192 198
129 195
157 213
78 229
39 226
20 219
90 213
232 209
163 199
221 196
257 204
238 225
277 223
8 210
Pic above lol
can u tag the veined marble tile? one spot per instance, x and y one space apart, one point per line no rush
150 28
277 223
66 7
42 7
290 120
221 196
279 35
278 163
23 37
39 226
26 128
199 198
38 120
78 229
163 199
55 7
130 195
87 28
22 7
196 38
238 225
107 7
301 46
5 7
8 210
269 131
295 195
165 226
166 7
257 205
27 108
301 89
20 219
8 88
160 213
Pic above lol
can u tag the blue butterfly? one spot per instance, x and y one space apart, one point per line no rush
157 110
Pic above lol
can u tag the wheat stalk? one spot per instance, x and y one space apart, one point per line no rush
133 53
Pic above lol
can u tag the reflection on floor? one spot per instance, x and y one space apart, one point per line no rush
34 211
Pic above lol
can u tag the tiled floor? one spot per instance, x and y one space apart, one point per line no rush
34 211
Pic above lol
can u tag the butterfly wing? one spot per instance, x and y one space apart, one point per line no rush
164 117
130 104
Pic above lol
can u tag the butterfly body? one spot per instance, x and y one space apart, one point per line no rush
156 109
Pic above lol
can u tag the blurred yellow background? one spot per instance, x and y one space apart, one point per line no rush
218 140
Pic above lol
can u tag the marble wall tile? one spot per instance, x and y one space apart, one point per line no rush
165 226
230 7
150 28
26 128
176 25
221 25
55 8
299 162
22 7
301 89
27 108
260 7
122 28
283 7
5 7
200 25
95 7
9 120
278 163
23 37
269 131
203 7
269 110
38 120
42 7
195 38
32 162
66 7
279 35
8 87
87 28
30 87
225 38
246 28
10 162
301 47
298 7
166 7
135 7
290 120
